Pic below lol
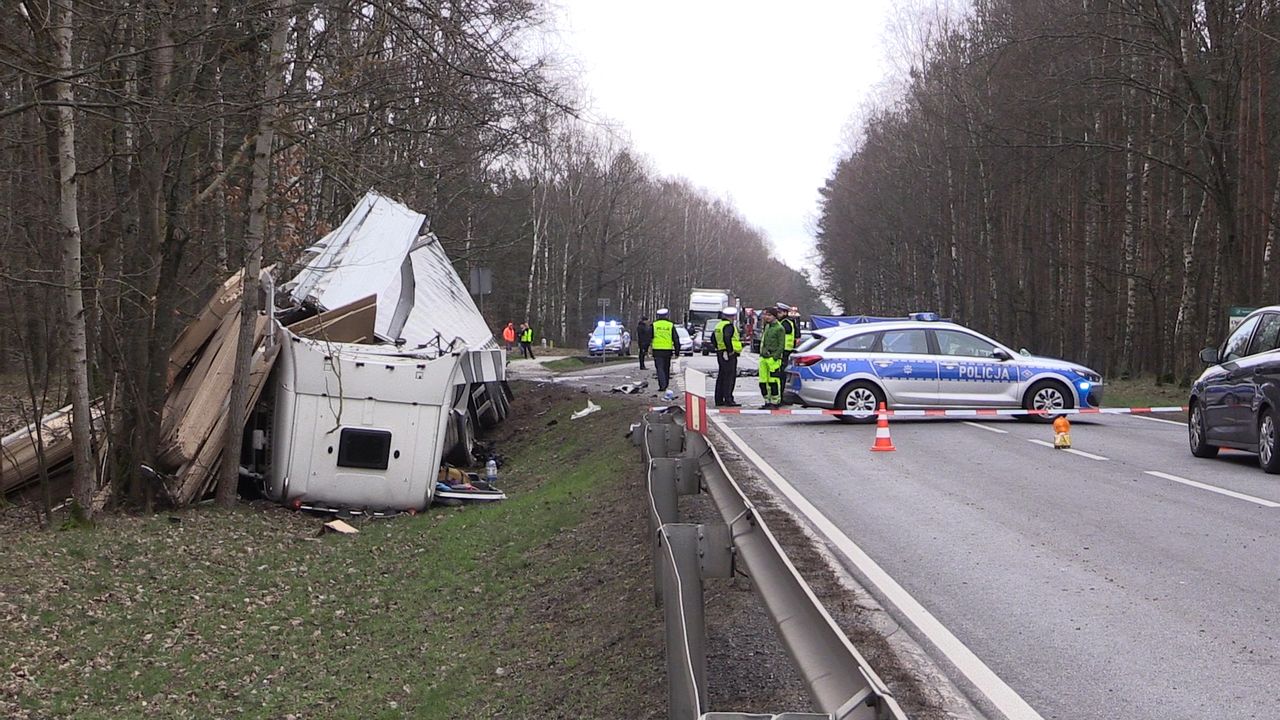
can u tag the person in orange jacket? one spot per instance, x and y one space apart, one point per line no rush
509 336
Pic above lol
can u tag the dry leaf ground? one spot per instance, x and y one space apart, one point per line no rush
537 607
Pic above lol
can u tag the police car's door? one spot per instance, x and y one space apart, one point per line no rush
907 371
969 373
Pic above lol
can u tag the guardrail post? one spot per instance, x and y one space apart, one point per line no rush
663 439
682 607
664 490
664 507
688 476
715 551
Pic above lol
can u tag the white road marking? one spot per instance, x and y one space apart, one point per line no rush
1003 697
988 428
1073 451
768 426
1159 420
1213 488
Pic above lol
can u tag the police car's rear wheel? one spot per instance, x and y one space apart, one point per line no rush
862 399
1047 396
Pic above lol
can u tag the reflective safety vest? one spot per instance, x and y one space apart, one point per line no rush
720 343
527 335
789 340
664 335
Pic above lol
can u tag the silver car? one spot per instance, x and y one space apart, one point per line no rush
685 340
929 364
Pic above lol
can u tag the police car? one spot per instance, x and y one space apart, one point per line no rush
922 362
609 338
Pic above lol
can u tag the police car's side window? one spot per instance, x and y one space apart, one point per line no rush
857 343
1235 346
1267 334
951 342
904 341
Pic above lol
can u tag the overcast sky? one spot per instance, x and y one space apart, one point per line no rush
750 100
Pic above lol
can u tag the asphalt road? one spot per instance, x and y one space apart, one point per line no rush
1125 580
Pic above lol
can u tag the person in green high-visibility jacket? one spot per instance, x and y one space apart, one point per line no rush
728 348
526 341
664 346
771 348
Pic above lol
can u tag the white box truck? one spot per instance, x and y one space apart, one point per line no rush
705 305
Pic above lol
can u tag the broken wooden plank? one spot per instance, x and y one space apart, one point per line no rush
340 527
198 476
189 431
181 394
225 301
351 323
19 454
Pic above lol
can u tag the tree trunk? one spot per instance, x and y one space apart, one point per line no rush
84 483
229 472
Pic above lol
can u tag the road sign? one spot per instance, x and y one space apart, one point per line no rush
602 302
1236 315
481 280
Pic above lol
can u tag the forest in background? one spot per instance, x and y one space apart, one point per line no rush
1093 179
134 177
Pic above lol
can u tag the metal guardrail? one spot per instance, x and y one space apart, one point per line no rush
839 680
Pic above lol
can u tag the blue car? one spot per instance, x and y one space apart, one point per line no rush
1235 403
913 364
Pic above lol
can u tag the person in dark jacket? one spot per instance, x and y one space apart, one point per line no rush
644 336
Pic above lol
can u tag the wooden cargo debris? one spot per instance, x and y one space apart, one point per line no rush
191 422
19 458
350 323
225 301
340 527
197 476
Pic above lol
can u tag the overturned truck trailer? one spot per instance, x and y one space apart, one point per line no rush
386 369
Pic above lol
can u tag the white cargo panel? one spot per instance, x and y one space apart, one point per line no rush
357 429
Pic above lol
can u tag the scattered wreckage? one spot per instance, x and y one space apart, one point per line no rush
374 369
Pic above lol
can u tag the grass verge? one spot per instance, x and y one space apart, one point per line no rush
1143 392
533 607
577 362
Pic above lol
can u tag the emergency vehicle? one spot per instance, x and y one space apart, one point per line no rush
924 362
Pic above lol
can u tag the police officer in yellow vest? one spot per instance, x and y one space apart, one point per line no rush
789 320
728 348
664 346
526 341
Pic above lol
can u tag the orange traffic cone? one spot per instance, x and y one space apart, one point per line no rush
1062 433
883 442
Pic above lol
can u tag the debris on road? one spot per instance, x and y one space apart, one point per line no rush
339 527
455 487
590 408
631 388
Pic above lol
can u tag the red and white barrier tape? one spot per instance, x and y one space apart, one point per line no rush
977 412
